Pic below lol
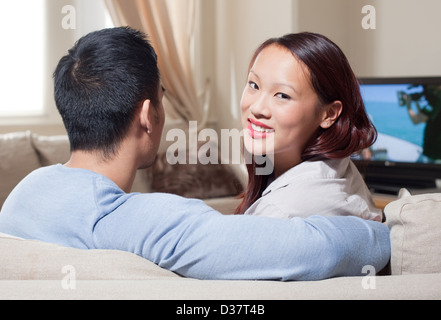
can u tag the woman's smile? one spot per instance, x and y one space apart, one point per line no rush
258 130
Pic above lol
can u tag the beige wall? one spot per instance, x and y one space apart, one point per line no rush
404 43
236 29
407 40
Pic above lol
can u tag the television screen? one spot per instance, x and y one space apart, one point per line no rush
407 115
407 153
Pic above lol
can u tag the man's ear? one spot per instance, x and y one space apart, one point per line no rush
145 116
331 114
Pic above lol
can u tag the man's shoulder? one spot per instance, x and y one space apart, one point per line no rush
38 177
164 202
43 171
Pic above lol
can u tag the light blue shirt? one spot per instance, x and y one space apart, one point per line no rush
82 209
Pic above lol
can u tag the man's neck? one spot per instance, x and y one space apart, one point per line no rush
119 169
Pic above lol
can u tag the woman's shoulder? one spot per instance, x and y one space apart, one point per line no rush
319 169
317 187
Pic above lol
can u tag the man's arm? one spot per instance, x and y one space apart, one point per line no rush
193 240
416 118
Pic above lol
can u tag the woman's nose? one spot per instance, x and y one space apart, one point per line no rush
259 108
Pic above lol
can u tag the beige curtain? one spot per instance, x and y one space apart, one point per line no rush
170 27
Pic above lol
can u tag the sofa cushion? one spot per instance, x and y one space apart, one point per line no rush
415 231
17 159
56 149
51 149
35 260
194 180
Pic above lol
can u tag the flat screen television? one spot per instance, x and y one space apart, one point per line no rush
407 115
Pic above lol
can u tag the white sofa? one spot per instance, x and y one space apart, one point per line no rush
31 269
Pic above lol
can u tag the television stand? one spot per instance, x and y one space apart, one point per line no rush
381 200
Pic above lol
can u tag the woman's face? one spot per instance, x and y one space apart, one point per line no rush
280 110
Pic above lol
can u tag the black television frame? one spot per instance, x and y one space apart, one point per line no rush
389 177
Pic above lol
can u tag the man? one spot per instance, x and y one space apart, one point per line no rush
108 92
431 115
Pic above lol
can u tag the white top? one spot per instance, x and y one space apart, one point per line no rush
329 188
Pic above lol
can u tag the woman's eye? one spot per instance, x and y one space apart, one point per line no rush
253 85
283 96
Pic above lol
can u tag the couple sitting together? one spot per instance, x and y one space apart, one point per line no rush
312 218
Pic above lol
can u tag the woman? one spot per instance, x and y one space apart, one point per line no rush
303 108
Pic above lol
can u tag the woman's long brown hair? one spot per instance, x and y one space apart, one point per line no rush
332 79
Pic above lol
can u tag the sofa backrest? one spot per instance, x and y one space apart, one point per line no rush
23 152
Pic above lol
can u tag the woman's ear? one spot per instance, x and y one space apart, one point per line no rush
331 114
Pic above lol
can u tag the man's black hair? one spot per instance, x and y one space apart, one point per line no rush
101 83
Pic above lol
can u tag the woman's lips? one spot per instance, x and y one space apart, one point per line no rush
258 130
